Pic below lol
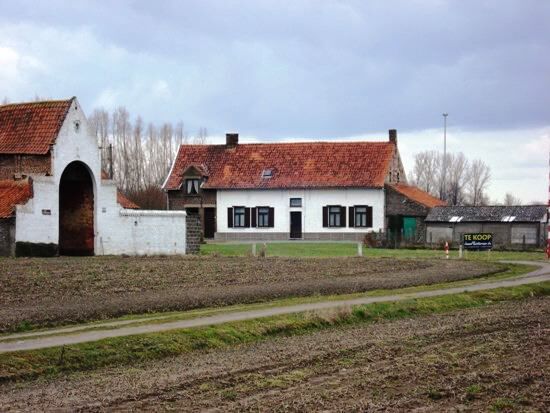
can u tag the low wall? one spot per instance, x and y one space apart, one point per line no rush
141 232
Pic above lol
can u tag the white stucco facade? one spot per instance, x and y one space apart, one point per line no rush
116 230
313 201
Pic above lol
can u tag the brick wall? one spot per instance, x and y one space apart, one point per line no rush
25 164
7 236
398 204
177 200
194 234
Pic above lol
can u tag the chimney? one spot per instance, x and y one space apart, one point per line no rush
231 140
393 136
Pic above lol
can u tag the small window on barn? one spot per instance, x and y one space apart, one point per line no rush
456 219
77 126
192 186
267 173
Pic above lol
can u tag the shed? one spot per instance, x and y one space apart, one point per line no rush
520 225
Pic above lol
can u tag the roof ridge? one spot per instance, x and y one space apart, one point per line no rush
38 102
285 143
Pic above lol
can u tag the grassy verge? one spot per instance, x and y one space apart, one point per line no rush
129 350
328 249
508 271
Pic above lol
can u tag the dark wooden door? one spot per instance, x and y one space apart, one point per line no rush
209 222
296 224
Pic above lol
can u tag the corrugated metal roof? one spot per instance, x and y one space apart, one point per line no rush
498 213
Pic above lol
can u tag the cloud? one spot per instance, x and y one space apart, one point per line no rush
281 69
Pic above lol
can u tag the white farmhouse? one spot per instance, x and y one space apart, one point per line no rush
310 190
54 198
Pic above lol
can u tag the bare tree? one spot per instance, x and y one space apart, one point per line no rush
480 175
202 136
425 172
5 101
457 178
511 200
100 125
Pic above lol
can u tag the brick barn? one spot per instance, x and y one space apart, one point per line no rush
310 191
54 198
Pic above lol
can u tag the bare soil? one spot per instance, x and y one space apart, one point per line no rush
50 291
493 358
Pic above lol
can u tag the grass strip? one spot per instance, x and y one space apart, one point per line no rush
122 351
349 249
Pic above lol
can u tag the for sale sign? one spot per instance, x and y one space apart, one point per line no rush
481 241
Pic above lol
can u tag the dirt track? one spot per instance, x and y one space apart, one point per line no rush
471 360
70 290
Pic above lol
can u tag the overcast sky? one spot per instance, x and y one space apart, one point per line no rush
298 69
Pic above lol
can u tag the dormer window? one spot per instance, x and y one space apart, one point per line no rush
192 186
267 173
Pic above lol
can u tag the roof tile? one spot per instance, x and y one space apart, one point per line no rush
418 195
13 193
294 165
30 128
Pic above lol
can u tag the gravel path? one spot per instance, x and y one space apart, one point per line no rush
539 275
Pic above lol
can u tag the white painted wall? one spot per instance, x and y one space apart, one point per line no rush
313 201
116 231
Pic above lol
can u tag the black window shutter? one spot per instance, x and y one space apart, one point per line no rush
351 217
271 217
253 217
325 216
230 217
369 216
343 216
247 217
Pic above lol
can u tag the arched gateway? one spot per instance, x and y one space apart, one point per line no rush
76 210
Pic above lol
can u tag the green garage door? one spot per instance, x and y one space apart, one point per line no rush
409 228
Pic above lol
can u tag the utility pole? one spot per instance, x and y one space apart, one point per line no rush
444 183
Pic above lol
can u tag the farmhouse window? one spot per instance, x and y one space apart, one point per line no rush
263 217
296 202
192 186
360 216
334 216
239 217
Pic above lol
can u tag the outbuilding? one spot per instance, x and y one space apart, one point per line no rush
54 198
511 226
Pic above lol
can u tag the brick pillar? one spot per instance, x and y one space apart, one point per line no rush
193 234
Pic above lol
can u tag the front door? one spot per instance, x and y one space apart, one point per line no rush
296 224
209 222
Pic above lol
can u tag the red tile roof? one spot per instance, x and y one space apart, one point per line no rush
418 195
125 202
13 193
120 198
30 128
294 165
